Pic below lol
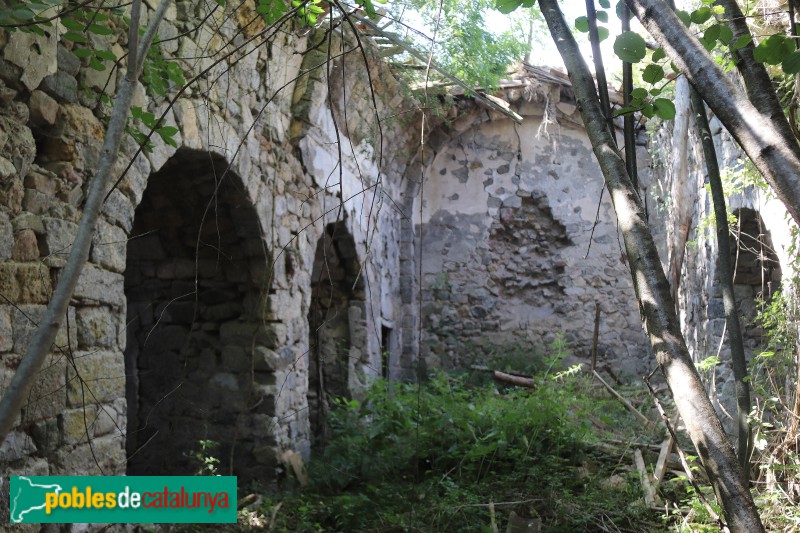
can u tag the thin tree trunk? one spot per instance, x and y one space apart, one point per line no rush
725 272
776 159
45 333
682 196
652 291
628 128
599 69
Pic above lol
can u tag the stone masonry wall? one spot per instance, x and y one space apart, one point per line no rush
211 318
508 216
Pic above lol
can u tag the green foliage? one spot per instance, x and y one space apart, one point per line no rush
149 120
432 457
463 45
159 75
204 458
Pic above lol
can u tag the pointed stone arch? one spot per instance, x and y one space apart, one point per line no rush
198 362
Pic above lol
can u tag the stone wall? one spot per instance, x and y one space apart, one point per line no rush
760 245
196 299
283 251
509 212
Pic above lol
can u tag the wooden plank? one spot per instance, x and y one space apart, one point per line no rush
647 487
663 456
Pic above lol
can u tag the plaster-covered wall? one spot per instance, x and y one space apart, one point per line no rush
508 215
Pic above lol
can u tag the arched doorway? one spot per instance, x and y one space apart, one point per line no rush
336 322
757 271
196 267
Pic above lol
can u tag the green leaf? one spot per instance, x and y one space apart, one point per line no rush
725 34
75 37
368 7
605 4
83 52
773 49
619 7
166 133
72 24
221 2
791 64
624 111
602 33
712 32
582 24
701 15
602 16
106 54
648 111
658 55
653 74
639 93
664 108
685 18
96 64
99 29
23 13
630 47
743 40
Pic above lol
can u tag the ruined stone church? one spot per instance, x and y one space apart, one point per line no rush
308 233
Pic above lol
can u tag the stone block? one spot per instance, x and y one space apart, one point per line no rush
46 436
98 376
43 109
25 283
6 330
106 421
100 285
28 221
108 451
266 360
119 210
44 182
6 236
235 359
105 80
16 446
18 145
77 424
57 242
61 86
34 54
23 322
26 246
47 398
97 327
36 202
108 247
67 61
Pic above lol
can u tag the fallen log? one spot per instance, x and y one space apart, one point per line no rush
510 379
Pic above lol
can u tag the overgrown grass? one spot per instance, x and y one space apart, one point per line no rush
451 456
